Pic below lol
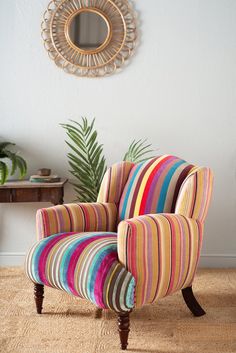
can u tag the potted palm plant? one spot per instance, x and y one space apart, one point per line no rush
17 162
87 161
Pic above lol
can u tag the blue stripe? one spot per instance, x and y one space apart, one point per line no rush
138 167
165 185
67 256
130 294
97 260
36 255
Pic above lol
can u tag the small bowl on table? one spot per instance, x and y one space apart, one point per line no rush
44 172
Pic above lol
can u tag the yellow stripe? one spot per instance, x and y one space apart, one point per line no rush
109 283
139 261
177 253
143 184
154 257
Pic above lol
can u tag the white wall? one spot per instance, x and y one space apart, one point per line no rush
179 91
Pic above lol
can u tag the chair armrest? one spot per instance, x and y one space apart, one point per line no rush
195 194
161 251
81 217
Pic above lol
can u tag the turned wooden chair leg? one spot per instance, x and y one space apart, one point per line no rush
192 302
38 297
98 313
123 327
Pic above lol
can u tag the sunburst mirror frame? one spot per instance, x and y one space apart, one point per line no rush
104 60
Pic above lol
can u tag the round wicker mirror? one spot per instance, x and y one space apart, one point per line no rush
89 37
88 30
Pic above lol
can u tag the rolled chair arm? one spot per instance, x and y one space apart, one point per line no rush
195 194
81 217
161 251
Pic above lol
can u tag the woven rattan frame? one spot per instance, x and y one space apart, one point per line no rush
117 48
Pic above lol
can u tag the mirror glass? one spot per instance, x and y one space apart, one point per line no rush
88 30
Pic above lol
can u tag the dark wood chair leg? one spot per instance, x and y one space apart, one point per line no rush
192 302
38 297
98 313
123 327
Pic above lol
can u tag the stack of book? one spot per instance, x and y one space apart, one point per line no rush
44 179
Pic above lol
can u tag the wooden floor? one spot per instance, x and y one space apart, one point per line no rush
68 324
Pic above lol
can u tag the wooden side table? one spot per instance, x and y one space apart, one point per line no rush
25 191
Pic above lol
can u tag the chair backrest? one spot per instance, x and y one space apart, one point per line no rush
155 185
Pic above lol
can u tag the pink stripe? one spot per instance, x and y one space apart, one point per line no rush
149 259
132 250
101 278
86 217
173 254
44 255
72 226
46 223
144 256
200 233
107 224
159 257
182 249
74 259
61 223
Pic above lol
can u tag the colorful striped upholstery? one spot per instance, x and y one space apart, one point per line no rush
195 194
153 186
114 181
161 251
83 217
160 206
85 265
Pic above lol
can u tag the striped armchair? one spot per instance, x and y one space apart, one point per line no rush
140 242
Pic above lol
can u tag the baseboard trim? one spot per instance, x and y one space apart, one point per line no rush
206 260
12 258
218 260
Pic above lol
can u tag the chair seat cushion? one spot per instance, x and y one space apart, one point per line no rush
85 265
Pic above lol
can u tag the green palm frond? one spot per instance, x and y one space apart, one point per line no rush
3 145
12 156
3 172
22 166
138 151
17 162
86 160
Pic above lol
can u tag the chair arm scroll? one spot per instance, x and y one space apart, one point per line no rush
161 251
81 217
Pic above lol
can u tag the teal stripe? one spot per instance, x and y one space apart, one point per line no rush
165 185
98 257
130 294
36 256
131 182
67 256
97 260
